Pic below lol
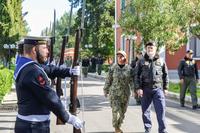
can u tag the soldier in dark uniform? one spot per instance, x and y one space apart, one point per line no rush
133 65
35 96
85 65
99 62
93 64
151 83
188 74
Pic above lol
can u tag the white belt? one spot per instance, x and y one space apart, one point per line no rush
35 118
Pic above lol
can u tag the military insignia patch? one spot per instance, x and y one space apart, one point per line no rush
146 63
41 80
193 62
158 63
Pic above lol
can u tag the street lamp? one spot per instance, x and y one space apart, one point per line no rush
131 39
88 46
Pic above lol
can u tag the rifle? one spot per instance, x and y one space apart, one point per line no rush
74 79
53 38
59 90
51 49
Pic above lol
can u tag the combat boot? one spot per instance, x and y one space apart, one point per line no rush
118 130
194 107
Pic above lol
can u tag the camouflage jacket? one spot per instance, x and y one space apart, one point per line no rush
119 81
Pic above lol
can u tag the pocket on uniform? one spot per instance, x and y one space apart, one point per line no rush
158 72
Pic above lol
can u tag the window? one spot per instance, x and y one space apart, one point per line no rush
123 5
194 44
123 43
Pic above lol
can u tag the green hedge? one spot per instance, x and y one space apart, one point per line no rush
6 79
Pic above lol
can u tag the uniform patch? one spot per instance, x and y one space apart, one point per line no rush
193 62
146 63
158 63
41 80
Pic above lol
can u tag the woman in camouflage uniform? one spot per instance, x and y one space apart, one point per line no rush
118 84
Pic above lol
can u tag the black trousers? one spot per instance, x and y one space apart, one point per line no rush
22 126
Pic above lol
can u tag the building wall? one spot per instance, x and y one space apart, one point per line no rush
119 32
173 60
69 53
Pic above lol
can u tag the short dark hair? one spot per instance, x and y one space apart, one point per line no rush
28 48
20 48
150 43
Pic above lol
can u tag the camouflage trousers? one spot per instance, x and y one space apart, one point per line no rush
119 107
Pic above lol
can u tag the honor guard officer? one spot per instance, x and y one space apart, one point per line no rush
151 83
35 96
52 71
188 74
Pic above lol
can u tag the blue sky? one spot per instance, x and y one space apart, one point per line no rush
40 13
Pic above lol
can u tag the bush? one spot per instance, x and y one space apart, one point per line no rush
105 67
6 79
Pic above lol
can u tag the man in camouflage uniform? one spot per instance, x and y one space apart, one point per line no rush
151 83
188 74
118 84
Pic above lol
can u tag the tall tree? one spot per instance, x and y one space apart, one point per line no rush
12 24
164 21
98 33
60 30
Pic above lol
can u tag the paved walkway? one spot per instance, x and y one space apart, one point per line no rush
97 113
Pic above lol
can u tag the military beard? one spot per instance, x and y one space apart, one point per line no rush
151 55
39 57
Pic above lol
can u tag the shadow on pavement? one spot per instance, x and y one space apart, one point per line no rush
6 121
97 102
182 109
94 102
5 128
8 115
85 84
183 124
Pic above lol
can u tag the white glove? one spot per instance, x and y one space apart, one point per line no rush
75 70
75 121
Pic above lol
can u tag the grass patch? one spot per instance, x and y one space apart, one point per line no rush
175 87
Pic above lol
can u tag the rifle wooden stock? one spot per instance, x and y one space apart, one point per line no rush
74 79
59 90
51 49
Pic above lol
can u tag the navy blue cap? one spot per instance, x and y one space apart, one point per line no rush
32 40
190 51
150 43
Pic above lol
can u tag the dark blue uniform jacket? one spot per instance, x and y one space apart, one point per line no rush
188 68
151 73
35 96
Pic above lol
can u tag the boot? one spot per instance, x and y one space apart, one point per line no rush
118 130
